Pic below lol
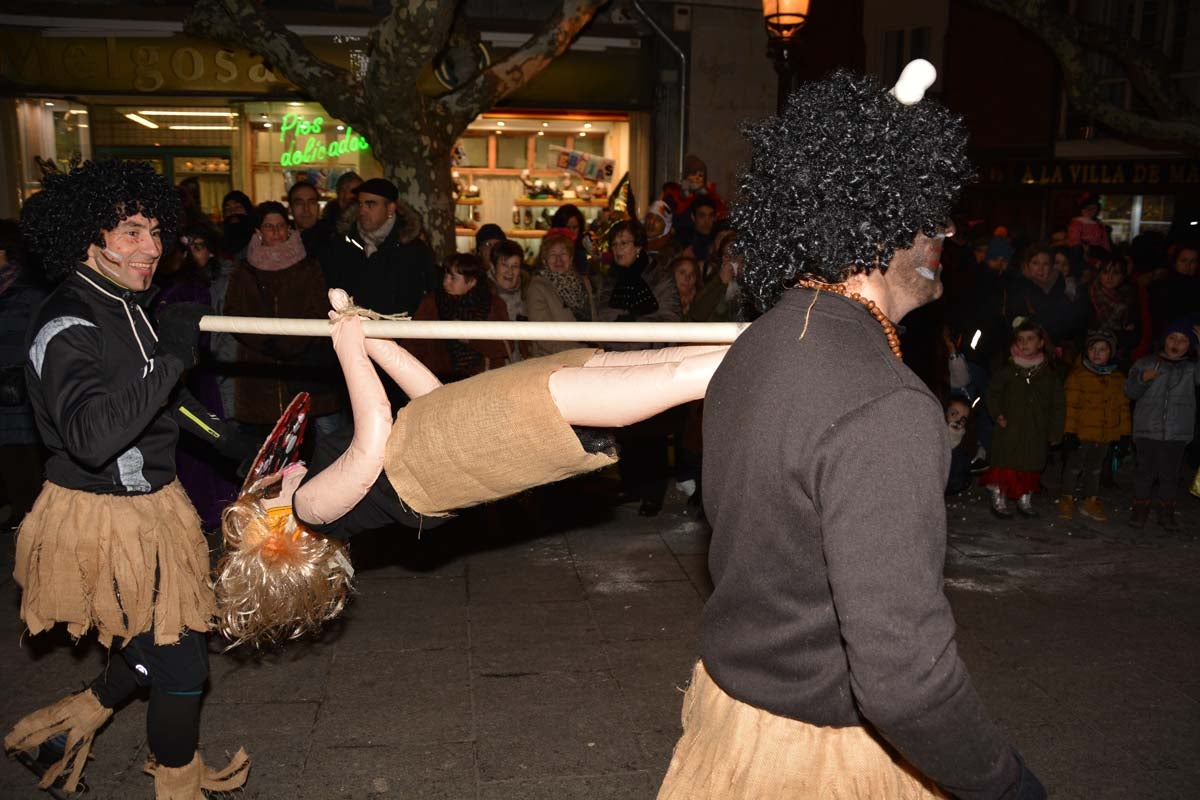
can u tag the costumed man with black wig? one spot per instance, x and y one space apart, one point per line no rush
828 660
112 543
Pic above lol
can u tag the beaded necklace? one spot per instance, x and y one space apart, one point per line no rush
889 330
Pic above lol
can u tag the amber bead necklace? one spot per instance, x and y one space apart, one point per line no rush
889 330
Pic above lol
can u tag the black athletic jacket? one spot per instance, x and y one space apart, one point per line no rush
106 406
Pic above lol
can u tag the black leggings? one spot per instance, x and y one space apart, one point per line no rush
175 675
1157 461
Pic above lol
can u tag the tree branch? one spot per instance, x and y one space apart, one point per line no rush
1177 122
242 23
504 77
408 38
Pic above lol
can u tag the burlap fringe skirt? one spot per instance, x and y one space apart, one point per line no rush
121 564
733 751
485 438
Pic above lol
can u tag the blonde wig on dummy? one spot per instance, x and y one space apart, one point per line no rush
276 580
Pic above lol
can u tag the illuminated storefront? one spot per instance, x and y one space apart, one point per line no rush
195 109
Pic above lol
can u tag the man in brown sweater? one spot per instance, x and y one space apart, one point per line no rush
828 661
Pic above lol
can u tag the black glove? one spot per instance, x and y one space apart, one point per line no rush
235 444
1124 447
1070 441
179 331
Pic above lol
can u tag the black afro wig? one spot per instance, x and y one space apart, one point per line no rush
71 210
839 181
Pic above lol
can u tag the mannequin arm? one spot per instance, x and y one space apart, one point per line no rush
338 488
622 391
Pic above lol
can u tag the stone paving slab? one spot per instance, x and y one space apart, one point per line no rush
484 662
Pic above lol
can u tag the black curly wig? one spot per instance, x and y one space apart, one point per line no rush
839 181
71 210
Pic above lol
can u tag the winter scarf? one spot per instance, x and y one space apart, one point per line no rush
512 301
1099 369
1029 366
1047 284
631 292
472 306
1110 306
571 291
372 240
275 257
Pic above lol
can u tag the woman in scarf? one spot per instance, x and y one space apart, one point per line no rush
1039 292
466 295
1114 308
556 292
201 278
277 279
642 291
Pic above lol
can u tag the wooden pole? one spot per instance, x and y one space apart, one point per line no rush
674 332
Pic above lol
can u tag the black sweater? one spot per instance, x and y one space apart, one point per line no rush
825 459
107 408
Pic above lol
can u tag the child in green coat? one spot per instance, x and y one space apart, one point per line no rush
1025 398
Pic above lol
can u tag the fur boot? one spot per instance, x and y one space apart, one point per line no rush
79 716
999 504
190 782
1025 505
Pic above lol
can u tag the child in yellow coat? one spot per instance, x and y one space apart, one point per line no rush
1097 415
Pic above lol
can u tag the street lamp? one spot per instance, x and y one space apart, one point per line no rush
784 19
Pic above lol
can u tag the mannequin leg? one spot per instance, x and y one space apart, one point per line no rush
610 396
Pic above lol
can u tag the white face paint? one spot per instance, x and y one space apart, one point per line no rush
927 273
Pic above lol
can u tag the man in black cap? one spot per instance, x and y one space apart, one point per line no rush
382 262
486 238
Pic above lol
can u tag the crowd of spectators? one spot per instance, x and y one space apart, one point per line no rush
1055 361
1061 360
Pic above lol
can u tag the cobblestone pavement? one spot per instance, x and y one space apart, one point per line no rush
541 656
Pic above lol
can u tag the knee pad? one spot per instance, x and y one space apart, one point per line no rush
180 668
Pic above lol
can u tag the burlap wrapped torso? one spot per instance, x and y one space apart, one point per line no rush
488 437
121 564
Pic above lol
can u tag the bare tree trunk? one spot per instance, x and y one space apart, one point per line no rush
421 172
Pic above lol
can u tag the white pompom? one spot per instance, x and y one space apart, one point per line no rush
917 76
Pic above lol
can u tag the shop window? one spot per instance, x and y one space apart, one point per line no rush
543 156
472 151
293 141
512 152
590 144
1129 215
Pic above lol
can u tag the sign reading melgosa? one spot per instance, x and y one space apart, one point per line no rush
308 146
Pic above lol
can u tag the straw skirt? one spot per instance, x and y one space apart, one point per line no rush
488 437
121 564
734 751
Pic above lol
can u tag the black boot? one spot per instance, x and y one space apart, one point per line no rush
1140 512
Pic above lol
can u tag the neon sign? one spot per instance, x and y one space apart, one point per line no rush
314 149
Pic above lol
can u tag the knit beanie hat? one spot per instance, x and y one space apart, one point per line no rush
1184 325
692 164
999 247
1102 336
488 232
